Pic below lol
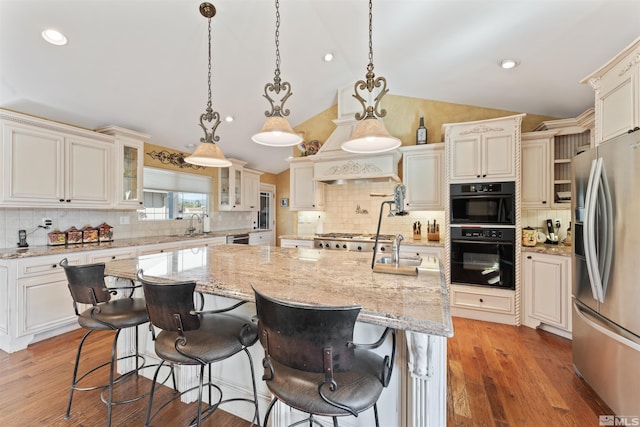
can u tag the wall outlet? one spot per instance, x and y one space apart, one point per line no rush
556 222
47 222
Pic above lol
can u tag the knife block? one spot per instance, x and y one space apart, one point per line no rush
417 236
433 237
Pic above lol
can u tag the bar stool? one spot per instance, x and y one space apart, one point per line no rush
196 337
86 284
312 364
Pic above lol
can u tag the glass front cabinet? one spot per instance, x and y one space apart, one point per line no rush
129 166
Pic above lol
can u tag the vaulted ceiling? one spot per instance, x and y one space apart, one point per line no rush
143 64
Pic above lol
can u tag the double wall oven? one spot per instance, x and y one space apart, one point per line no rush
482 250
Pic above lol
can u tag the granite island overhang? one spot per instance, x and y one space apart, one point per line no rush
418 305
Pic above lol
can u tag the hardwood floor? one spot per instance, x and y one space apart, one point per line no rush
498 375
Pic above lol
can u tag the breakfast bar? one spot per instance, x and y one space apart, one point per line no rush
416 304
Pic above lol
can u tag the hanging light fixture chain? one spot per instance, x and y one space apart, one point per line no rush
209 73
210 116
277 108
370 66
277 72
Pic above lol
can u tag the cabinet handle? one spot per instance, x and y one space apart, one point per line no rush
484 176
62 200
113 257
544 202
481 300
529 257
477 176
141 203
68 200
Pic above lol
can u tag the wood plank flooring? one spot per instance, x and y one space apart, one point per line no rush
498 375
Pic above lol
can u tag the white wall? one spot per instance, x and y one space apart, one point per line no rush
12 220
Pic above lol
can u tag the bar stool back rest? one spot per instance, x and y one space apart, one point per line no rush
170 305
298 337
86 283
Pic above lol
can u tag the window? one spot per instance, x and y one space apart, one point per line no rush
174 195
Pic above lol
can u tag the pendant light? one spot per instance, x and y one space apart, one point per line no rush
370 135
208 153
276 131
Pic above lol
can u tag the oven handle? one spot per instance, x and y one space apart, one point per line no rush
484 242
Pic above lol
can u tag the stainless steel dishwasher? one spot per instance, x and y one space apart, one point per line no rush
241 239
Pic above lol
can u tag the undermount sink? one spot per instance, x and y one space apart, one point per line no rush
412 262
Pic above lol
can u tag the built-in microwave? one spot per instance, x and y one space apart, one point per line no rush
483 203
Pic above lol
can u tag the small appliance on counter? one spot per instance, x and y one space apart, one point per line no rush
529 236
552 237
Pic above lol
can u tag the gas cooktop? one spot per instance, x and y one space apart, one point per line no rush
354 236
362 242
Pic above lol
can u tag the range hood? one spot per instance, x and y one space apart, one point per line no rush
333 165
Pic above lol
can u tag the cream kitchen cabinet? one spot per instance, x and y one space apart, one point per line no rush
261 238
423 176
536 170
251 190
230 186
47 164
421 251
296 243
547 292
306 194
617 94
483 150
129 165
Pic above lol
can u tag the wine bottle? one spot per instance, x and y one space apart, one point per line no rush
421 132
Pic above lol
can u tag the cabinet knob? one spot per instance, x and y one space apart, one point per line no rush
477 176
544 202
484 176
113 257
481 300
529 257
54 265
62 200
68 200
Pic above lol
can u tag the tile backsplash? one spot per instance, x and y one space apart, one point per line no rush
351 208
12 220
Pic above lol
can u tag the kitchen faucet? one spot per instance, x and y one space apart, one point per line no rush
395 253
396 207
191 230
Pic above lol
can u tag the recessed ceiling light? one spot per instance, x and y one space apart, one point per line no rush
508 63
229 119
54 37
328 57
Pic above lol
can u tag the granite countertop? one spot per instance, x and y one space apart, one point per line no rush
309 276
541 248
406 241
33 251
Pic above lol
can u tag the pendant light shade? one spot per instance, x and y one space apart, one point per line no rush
208 154
277 132
370 136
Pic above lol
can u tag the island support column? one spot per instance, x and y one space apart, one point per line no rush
426 400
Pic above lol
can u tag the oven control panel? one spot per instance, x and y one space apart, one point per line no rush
482 233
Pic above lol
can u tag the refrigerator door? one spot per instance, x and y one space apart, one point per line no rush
582 168
608 358
621 163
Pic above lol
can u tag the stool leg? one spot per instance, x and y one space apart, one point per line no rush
269 408
114 356
375 413
75 372
255 389
199 419
153 388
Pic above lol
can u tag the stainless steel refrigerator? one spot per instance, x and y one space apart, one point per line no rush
606 271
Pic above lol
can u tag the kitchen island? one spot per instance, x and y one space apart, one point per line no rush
417 305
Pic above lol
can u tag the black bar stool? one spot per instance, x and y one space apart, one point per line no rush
196 337
312 364
86 283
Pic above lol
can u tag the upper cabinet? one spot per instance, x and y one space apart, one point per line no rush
483 150
129 149
47 164
423 176
251 190
305 193
230 186
617 94
536 169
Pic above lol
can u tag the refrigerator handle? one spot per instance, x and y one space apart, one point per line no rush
605 327
605 254
589 234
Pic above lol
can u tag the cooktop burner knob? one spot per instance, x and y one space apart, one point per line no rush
337 245
327 246
344 246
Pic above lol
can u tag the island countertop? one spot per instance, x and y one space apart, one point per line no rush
309 276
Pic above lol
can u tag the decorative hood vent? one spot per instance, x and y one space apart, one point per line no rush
333 165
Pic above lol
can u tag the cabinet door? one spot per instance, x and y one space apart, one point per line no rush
224 188
423 175
33 165
547 288
89 172
498 159
465 158
303 188
45 303
261 238
535 174
237 189
129 186
251 192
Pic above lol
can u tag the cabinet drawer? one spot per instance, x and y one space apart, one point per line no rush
46 265
110 255
497 303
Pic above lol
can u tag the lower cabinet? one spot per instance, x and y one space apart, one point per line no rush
261 238
296 243
483 303
546 281
421 250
